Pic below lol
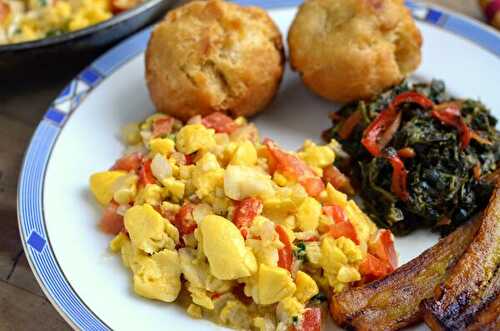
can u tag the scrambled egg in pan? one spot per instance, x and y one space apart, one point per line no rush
26 20
237 230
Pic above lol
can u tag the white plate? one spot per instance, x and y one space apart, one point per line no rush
79 136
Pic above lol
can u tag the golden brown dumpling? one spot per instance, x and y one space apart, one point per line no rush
214 56
353 49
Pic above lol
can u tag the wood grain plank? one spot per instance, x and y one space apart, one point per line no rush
10 245
11 156
22 310
21 276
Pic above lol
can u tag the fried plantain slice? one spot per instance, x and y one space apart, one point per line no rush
487 319
474 281
392 302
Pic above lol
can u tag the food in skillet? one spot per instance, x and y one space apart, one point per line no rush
27 20
214 56
421 159
240 231
347 50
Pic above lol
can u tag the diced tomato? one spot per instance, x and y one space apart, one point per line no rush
244 213
288 164
311 321
285 256
313 185
131 162
272 163
334 176
374 137
312 238
372 267
399 183
118 6
350 124
162 126
220 122
4 11
215 296
111 222
383 248
184 220
293 167
145 174
190 158
335 212
344 229
449 114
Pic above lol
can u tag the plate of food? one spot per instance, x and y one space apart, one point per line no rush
274 165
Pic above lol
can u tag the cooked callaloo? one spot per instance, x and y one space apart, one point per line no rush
420 157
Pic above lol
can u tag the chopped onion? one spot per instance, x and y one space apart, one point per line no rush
160 167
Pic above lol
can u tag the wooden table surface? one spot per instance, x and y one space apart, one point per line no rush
23 305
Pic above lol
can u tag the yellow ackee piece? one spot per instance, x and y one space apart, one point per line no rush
200 297
245 154
278 207
241 182
207 175
350 249
148 230
348 274
118 241
306 287
89 13
274 284
194 311
175 188
317 156
332 257
125 189
335 197
158 276
362 224
313 253
308 214
58 14
225 249
102 184
150 194
289 307
194 137
131 134
164 146
236 315
280 179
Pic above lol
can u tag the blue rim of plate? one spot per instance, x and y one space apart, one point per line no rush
31 219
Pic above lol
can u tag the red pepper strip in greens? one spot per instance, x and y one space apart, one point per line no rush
449 114
375 131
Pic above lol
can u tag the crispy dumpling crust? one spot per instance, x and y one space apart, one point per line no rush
353 49
214 56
